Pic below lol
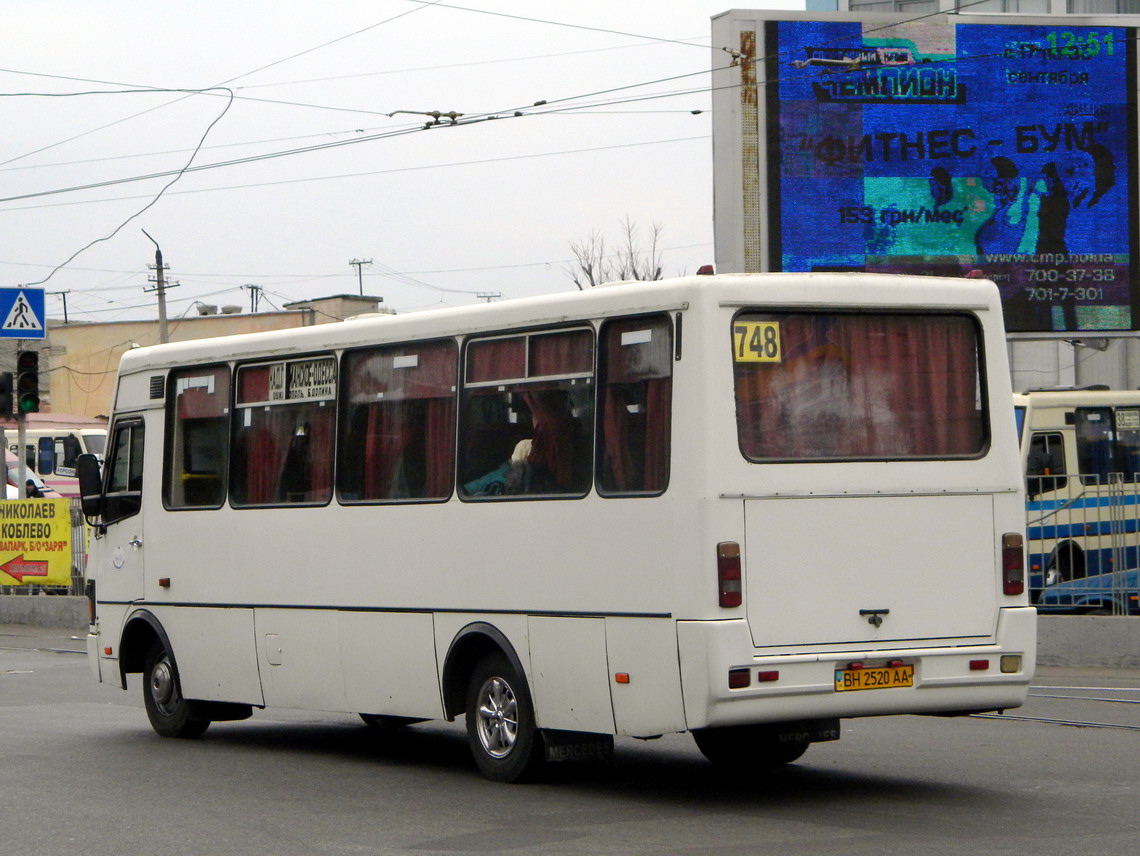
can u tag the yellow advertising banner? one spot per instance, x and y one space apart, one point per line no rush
35 542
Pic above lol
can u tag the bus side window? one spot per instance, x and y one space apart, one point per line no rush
123 495
197 444
398 431
283 433
1096 456
635 395
1045 464
1128 442
70 452
527 415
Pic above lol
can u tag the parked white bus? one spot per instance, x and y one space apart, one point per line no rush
741 506
1081 456
51 448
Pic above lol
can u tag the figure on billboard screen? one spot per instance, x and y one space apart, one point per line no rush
1073 184
1008 223
941 188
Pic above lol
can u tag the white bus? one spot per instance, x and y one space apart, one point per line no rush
51 449
741 506
1081 457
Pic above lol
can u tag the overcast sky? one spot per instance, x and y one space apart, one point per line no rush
489 205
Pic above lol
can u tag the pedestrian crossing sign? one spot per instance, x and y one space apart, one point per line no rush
22 313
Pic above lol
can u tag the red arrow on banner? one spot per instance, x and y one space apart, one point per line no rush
17 568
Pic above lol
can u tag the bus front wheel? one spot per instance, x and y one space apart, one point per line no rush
747 746
500 722
170 714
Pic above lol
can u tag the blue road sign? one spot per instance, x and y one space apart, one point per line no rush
22 313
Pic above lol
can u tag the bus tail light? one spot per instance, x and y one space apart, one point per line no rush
728 573
1012 564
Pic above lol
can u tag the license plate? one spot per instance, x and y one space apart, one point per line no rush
847 680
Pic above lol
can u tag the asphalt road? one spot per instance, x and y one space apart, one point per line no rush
81 772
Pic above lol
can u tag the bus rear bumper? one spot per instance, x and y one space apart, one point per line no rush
959 676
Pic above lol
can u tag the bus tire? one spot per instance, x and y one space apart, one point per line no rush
747 747
501 733
170 714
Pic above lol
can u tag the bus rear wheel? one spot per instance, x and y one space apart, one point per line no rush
170 714
747 747
501 733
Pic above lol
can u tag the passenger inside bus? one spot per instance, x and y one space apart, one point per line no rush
546 461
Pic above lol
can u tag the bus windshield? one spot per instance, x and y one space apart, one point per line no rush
829 386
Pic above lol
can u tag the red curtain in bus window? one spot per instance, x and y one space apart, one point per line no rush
414 418
387 436
266 444
914 381
439 430
862 386
496 359
253 384
555 434
636 409
561 353
658 409
391 430
432 375
322 424
205 395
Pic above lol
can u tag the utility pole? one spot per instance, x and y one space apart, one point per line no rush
360 263
62 294
160 287
254 295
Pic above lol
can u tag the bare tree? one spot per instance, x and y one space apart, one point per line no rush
632 260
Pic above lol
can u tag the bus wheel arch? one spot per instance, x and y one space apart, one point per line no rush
140 634
1068 560
483 679
470 645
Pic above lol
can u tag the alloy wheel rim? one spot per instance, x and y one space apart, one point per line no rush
497 718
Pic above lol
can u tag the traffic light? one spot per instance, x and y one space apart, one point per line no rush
28 382
5 394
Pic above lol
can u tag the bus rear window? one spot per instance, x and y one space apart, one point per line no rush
827 386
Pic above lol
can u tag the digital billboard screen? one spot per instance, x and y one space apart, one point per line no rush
941 147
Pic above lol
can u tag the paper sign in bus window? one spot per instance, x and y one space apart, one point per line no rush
756 342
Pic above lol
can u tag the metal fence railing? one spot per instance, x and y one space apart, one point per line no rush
1083 543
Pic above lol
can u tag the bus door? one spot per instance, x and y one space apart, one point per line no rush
121 518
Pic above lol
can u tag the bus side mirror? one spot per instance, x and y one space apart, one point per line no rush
90 485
